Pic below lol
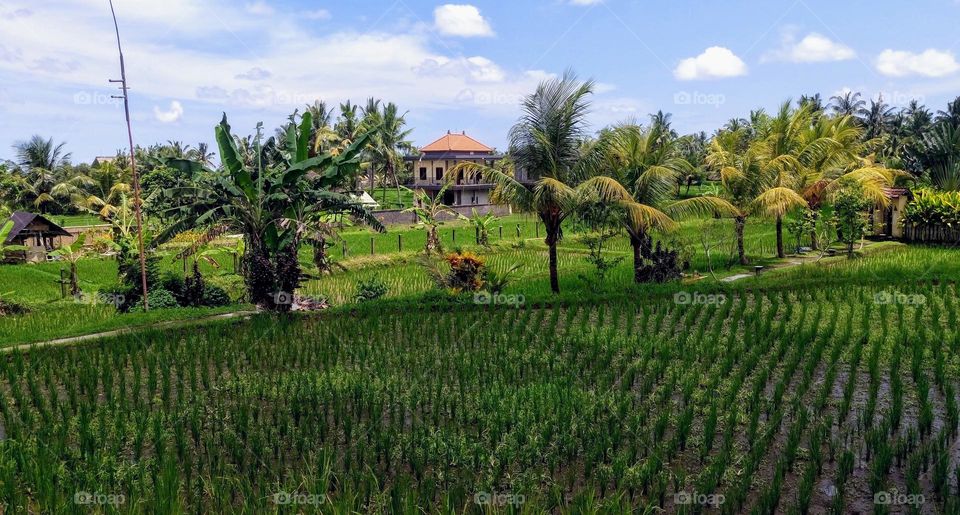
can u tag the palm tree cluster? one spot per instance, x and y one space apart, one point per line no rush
913 138
795 159
383 159
556 171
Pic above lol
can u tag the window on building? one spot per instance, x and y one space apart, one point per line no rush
423 173
439 173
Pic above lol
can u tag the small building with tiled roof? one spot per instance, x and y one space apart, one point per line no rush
432 166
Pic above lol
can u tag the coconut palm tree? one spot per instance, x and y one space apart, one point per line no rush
389 144
741 174
634 171
201 154
41 153
43 161
545 147
848 104
783 154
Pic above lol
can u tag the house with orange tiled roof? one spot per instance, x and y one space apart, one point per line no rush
431 167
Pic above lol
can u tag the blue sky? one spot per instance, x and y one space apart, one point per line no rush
459 66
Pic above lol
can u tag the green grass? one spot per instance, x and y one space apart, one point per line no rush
75 220
612 402
388 199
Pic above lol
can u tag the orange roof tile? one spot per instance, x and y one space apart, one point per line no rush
456 143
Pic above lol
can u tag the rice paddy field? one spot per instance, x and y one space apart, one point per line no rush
828 388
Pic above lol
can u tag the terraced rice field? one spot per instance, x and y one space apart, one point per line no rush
810 399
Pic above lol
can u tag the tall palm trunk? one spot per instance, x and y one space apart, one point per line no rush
638 240
552 227
739 223
814 239
780 252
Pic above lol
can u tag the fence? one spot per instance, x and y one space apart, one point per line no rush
388 243
934 234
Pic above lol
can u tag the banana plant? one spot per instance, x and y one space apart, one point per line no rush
4 248
72 254
267 196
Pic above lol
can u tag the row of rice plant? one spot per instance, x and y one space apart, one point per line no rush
802 400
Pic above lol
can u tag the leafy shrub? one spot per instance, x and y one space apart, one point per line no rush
661 263
215 296
466 271
931 208
158 299
371 289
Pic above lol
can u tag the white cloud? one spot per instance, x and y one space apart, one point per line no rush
260 8
318 14
461 20
586 2
930 63
255 73
814 48
173 115
714 63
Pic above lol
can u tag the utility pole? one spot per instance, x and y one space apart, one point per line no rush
133 160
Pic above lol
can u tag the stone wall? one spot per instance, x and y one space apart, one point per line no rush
398 217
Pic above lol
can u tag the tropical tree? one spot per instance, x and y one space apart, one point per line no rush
270 202
741 174
72 254
545 146
41 153
634 171
849 104
389 144
428 211
483 224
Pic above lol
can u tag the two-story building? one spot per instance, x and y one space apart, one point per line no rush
436 160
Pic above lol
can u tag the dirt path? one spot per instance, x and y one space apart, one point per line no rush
170 324
812 258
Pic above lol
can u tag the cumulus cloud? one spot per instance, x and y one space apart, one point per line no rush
929 63
461 21
714 63
255 73
174 114
813 48
477 68
260 8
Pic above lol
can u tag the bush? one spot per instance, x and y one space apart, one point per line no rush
158 299
215 296
466 272
371 289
